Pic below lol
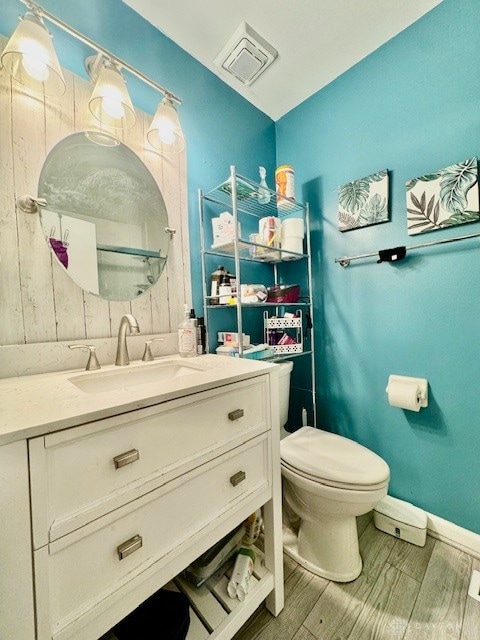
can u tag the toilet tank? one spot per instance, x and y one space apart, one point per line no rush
284 389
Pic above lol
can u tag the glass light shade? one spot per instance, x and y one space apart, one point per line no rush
110 103
165 133
30 58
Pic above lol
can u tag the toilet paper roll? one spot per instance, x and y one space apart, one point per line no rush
269 230
405 394
293 227
292 244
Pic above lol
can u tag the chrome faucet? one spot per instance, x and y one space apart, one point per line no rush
129 321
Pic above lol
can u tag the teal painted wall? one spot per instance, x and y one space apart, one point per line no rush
412 107
221 127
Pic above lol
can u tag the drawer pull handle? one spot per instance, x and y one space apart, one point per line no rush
126 458
128 547
237 478
236 415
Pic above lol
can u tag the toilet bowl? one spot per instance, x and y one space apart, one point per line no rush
328 481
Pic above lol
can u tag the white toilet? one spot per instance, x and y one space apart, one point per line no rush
328 480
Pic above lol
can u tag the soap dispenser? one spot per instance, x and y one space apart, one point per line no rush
187 336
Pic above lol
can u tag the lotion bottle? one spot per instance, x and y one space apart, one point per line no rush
187 336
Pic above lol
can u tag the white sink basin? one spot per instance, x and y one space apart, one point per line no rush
126 377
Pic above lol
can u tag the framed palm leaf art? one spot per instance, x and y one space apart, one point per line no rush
443 199
363 202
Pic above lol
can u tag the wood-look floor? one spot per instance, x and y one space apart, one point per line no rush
403 593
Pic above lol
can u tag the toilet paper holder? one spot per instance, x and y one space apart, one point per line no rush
420 383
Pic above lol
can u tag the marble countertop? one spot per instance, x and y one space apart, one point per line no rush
39 404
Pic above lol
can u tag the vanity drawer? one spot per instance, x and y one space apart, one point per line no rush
83 570
82 473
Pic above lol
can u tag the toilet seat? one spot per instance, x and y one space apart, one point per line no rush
332 460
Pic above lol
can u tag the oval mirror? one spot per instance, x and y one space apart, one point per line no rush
105 219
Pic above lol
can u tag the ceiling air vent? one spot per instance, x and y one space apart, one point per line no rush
246 55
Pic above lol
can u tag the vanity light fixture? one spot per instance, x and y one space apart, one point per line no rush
36 65
30 58
110 102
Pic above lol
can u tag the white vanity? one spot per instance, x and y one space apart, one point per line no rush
112 482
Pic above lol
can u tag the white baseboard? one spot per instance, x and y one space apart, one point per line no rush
453 535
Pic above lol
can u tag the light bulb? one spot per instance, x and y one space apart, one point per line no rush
113 107
166 131
35 60
35 68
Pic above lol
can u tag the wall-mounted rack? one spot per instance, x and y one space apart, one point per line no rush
239 195
398 253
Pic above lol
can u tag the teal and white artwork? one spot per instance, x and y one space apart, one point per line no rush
443 199
363 202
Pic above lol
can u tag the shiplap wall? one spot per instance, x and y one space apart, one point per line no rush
38 301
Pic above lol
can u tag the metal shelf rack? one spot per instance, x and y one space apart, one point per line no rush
239 195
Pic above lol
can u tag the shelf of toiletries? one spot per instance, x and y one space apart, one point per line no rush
253 199
284 334
283 337
288 356
246 305
254 252
251 237
269 355
273 233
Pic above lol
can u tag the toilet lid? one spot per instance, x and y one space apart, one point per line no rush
333 460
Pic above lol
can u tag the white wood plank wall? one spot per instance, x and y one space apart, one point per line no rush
38 301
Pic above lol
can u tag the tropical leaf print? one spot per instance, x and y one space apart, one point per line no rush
443 199
363 218
426 178
363 202
455 182
461 218
377 177
347 220
377 208
376 211
353 196
424 216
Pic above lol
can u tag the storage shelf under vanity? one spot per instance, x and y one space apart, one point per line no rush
213 614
